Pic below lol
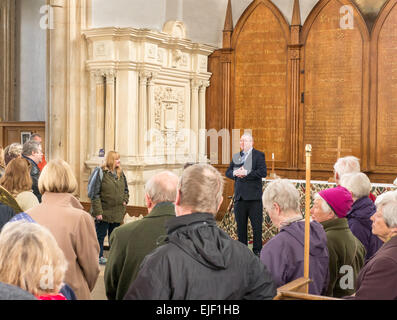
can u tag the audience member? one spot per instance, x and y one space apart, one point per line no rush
31 259
109 202
281 201
130 243
72 227
199 261
359 216
346 252
6 214
2 163
345 165
32 152
12 151
36 137
377 280
10 292
18 182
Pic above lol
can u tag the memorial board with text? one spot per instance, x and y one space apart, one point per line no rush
294 84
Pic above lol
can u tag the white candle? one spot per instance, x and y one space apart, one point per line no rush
272 156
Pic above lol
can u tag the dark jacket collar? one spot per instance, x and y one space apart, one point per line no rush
188 220
162 209
31 161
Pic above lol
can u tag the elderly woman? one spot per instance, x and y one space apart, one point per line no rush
378 278
283 255
72 227
44 265
346 252
359 216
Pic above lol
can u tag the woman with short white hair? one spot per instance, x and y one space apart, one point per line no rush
359 216
283 254
378 278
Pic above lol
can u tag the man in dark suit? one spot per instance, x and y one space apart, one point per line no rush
247 169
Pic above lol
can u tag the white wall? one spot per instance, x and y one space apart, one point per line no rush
204 19
129 13
30 62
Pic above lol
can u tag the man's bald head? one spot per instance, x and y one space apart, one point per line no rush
162 187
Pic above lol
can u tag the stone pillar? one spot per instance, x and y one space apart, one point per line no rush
150 100
57 75
143 110
194 118
202 129
110 111
99 113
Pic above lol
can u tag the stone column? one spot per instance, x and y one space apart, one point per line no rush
110 111
150 100
202 131
142 113
97 114
57 77
194 118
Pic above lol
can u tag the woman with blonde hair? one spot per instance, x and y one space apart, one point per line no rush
18 182
109 202
31 259
72 227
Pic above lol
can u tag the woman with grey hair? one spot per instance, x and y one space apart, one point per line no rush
378 278
283 254
359 216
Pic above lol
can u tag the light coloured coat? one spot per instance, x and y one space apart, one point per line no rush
74 230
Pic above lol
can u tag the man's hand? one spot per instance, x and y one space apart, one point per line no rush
240 173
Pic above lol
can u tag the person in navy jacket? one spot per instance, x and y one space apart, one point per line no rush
247 169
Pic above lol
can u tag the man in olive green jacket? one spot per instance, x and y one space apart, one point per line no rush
130 243
346 252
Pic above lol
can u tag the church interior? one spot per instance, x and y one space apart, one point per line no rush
170 82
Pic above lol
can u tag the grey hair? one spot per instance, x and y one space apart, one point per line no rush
357 183
162 187
282 192
349 164
324 205
29 147
385 198
389 211
248 135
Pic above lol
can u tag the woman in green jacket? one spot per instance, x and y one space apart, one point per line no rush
110 199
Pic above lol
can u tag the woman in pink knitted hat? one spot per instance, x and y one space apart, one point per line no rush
346 252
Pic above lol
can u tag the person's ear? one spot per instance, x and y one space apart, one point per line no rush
178 197
148 201
219 205
276 207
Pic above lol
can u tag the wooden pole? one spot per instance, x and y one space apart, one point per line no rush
308 149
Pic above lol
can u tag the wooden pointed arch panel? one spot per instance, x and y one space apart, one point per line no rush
384 90
260 79
335 83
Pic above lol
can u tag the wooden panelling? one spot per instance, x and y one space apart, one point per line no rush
295 85
11 131
259 79
384 91
335 85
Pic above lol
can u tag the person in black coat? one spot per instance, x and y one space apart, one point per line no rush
247 169
6 214
199 261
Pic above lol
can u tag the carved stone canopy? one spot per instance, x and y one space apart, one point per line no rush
175 29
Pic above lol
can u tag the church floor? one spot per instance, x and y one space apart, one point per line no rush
99 292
